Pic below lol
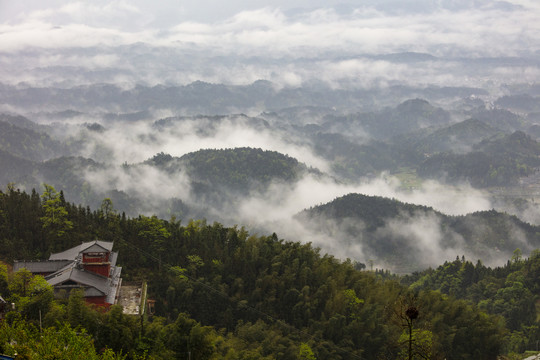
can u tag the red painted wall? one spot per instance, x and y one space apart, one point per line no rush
98 269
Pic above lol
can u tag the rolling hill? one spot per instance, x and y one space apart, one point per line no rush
408 237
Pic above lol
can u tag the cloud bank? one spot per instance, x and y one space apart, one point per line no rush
129 42
274 208
480 30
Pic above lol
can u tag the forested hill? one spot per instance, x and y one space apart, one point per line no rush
223 293
239 169
406 117
21 140
497 161
373 211
511 291
518 146
219 179
385 229
214 177
457 138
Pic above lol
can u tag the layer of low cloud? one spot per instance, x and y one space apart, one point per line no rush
133 142
272 210
136 141
270 43
271 31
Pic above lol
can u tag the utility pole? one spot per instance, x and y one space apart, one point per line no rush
411 313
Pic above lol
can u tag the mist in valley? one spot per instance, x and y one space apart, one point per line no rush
122 83
123 148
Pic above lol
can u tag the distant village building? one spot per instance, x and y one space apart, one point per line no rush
90 266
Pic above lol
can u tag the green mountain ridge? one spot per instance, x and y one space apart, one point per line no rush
510 291
498 161
27 143
382 227
406 117
456 138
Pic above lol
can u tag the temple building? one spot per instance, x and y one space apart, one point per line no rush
90 266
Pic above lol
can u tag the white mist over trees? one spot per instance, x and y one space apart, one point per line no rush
416 102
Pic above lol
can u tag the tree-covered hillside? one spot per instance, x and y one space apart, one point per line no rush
498 161
222 178
25 139
215 176
351 160
75 151
511 291
386 231
223 293
457 138
408 116
241 169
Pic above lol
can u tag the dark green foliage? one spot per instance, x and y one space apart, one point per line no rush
494 230
517 145
372 210
510 291
224 293
21 232
25 341
66 171
241 169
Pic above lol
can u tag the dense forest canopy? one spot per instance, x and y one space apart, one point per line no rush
225 293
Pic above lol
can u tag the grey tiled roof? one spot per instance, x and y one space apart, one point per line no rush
71 254
81 277
113 258
46 266
115 283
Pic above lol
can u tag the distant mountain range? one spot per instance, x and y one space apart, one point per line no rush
489 149
469 142
497 161
210 99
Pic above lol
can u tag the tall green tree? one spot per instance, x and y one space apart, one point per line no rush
55 219
154 234
305 352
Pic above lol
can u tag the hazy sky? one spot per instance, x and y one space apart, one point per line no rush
481 27
287 42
